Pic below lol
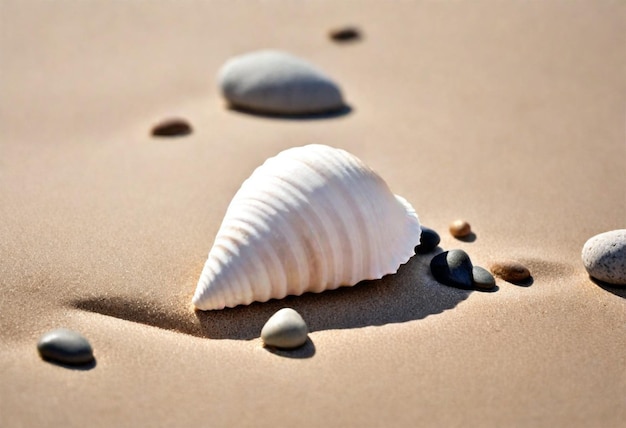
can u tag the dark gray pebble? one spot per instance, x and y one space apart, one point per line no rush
428 241
483 279
65 346
171 128
453 268
344 34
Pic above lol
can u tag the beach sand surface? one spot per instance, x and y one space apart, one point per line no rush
507 114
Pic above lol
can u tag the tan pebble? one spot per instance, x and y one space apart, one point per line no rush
510 270
460 228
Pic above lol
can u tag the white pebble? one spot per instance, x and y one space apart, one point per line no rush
285 329
604 257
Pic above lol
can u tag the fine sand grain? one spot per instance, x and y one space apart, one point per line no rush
509 115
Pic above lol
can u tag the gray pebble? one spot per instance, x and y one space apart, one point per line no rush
453 268
483 279
429 240
604 257
65 346
275 82
285 329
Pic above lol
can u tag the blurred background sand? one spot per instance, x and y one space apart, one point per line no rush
507 114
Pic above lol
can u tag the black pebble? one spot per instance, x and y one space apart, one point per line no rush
428 241
453 268
172 128
65 346
344 34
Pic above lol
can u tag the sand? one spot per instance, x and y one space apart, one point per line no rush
507 114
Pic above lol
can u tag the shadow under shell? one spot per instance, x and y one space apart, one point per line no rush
410 294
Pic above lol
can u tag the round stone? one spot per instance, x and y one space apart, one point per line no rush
344 34
604 257
274 82
510 270
483 279
65 346
429 239
460 228
171 128
453 268
285 329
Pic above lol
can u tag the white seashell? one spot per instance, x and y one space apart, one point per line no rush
275 82
312 218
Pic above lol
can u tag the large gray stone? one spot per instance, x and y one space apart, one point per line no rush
274 82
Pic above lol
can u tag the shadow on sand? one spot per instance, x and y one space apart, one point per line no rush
410 294
344 111
78 367
611 288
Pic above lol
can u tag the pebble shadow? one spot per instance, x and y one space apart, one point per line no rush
525 283
491 290
613 289
410 294
469 238
78 367
344 111
305 351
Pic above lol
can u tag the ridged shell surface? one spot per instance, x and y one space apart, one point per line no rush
312 218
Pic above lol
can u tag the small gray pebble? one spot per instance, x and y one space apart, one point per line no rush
285 329
604 257
274 82
453 268
429 240
483 279
65 346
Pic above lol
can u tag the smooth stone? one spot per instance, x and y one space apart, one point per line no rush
65 346
453 268
460 228
344 34
285 329
604 257
510 270
429 239
483 279
274 82
171 128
